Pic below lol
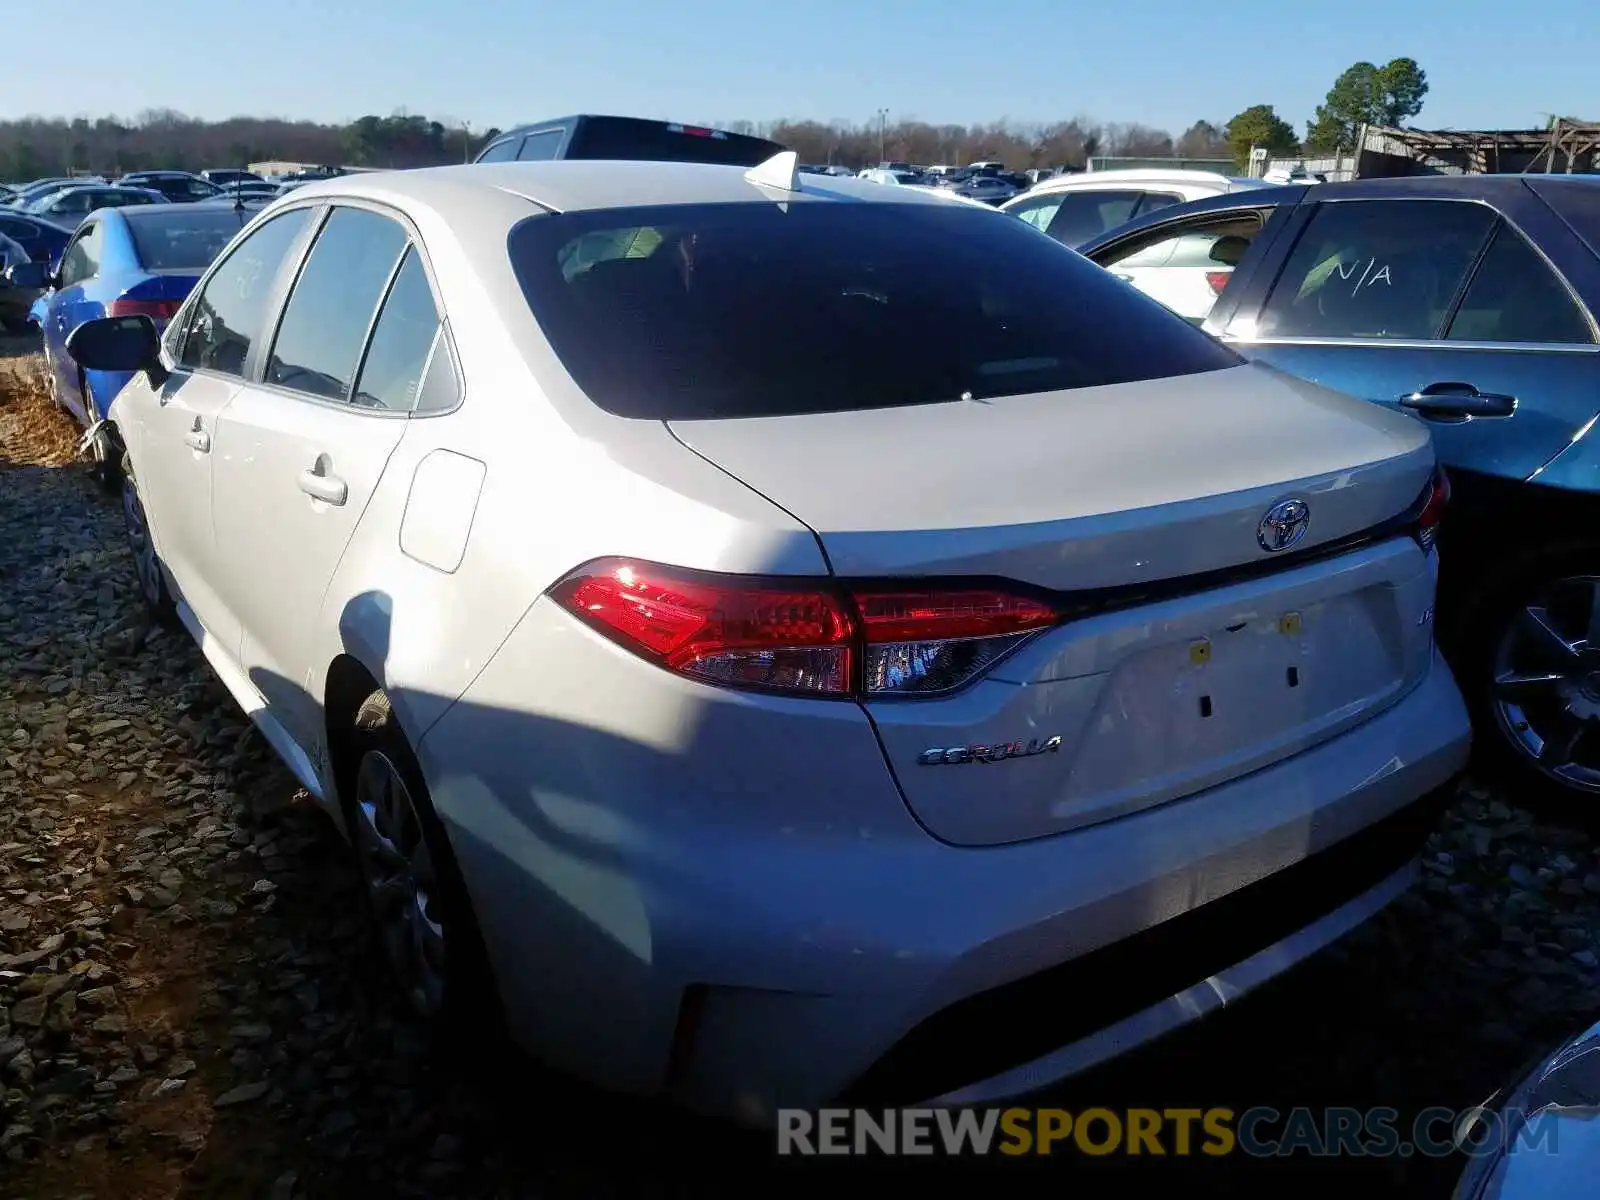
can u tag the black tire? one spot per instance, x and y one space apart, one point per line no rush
469 1013
1474 639
147 565
106 453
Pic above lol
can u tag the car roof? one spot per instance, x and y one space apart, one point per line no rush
574 185
1487 188
1138 175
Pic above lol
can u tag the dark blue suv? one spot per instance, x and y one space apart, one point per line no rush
1470 302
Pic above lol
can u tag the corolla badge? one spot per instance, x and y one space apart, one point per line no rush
1284 525
998 752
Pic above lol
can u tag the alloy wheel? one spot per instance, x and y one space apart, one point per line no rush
1546 681
402 885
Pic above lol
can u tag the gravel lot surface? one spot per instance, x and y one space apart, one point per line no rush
190 1006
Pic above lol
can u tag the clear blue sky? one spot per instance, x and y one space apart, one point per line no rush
1160 62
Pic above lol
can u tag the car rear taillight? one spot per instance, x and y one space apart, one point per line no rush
158 310
921 643
803 637
1430 509
790 639
1218 280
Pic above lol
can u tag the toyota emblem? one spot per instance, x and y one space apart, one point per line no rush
1284 526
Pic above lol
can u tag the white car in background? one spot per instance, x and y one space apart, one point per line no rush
774 641
1075 208
1186 274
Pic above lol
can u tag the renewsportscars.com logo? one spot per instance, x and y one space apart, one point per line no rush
1260 1132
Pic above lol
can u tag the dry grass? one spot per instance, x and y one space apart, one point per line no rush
36 431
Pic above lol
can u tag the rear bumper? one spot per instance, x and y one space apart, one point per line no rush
647 940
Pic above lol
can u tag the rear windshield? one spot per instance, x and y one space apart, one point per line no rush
186 238
745 310
658 141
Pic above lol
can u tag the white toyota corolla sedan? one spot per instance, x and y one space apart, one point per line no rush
779 640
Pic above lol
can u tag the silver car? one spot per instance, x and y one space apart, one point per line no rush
774 640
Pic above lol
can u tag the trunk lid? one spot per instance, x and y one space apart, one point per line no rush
1152 701
1084 489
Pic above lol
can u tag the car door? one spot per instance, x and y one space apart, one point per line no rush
1442 307
80 263
210 344
307 454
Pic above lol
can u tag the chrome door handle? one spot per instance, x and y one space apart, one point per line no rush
198 439
328 488
1457 401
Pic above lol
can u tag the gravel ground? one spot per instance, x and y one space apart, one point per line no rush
189 1004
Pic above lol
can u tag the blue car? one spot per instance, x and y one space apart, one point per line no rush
139 261
1469 302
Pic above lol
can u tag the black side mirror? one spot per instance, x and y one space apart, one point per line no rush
31 275
118 344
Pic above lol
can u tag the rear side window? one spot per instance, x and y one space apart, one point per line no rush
1155 201
1514 296
1087 214
325 323
743 310
402 340
1376 269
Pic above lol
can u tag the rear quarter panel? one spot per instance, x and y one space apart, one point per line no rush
561 483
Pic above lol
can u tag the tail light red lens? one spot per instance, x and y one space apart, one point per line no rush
784 639
158 310
811 638
1430 509
1218 280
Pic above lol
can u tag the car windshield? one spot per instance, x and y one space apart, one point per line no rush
739 310
183 239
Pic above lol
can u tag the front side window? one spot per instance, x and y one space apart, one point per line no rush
319 340
1039 211
230 314
1084 215
81 259
742 310
1514 296
504 151
402 340
1376 269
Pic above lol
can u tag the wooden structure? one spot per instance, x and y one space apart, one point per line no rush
1567 146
